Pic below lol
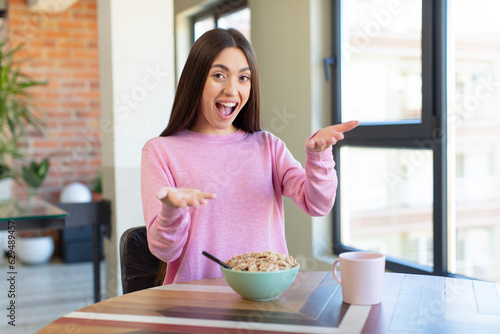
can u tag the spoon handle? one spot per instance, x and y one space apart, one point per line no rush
213 258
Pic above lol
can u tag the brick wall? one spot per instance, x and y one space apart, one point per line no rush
63 50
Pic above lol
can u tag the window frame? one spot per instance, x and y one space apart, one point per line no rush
216 10
430 133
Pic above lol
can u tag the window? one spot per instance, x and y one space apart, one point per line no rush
419 176
226 14
474 124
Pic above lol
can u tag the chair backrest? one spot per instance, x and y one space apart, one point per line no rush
139 267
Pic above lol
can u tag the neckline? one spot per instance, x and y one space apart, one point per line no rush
214 138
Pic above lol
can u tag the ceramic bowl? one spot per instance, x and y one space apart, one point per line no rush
261 285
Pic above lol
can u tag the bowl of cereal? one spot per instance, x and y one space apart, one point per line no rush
260 276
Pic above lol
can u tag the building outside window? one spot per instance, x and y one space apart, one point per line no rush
419 178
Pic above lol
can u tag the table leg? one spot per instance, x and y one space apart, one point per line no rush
96 256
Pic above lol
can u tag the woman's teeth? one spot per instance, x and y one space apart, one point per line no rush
227 108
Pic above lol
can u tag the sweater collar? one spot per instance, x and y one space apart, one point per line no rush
213 138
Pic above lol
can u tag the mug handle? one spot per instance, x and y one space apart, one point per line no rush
335 270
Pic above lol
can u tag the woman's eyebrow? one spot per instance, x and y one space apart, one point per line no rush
225 68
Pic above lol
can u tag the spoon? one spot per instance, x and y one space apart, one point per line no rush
213 258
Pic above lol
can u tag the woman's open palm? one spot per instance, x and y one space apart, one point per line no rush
183 197
329 136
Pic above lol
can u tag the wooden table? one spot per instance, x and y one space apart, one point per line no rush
313 304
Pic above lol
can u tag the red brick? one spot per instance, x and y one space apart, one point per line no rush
26 53
52 75
85 16
59 114
73 105
86 35
16 2
56 34
52 84
59 54
92 6
14 22
89 94
74 143
72 45
88 114
66 133
72 64
46 104
72 84
37 94
73 124
51 124
93 45
95 104
96 162
41 63
93 65
87 55
58 95
46 144
70 25
86 75
77 5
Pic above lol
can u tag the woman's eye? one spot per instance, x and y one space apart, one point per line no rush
218 75
244 78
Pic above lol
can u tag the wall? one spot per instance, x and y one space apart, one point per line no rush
137 90
62 49
291 39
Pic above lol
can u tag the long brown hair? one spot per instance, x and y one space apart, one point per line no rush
194 75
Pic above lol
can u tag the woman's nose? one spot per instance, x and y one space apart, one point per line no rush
230 88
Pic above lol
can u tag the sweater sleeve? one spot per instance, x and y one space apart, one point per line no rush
314 188
167 226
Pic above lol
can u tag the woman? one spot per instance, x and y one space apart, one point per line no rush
214 154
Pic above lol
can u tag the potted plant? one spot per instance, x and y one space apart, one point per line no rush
97 189
34 174
36 248
15 113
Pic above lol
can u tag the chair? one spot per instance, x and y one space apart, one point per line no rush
139 267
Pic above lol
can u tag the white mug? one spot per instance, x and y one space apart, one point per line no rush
362 277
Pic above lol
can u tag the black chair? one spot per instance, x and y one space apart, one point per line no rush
139 267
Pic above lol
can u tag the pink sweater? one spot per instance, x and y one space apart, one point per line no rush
249 174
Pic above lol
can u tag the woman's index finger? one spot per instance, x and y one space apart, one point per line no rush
344 127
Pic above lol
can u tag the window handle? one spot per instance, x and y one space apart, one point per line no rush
326 62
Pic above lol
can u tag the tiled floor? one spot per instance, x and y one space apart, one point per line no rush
43 293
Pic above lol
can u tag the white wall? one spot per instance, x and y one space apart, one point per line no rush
291 39
136 43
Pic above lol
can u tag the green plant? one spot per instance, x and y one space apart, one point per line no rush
98 184
34 174
15 113
4 171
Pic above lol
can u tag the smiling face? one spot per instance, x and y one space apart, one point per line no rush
226 91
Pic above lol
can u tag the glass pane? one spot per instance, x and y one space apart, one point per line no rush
474 128
203 25
239 20
381 60
387 202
